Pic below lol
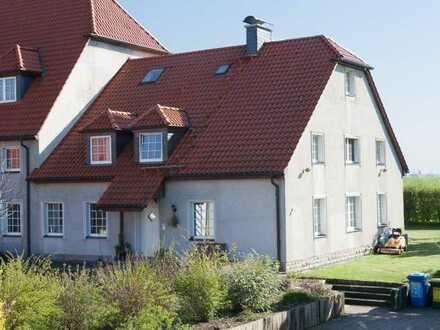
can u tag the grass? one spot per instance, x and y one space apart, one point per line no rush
423 256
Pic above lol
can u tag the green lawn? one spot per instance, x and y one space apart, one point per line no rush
423 256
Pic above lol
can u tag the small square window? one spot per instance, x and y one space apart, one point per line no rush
319 217
153 75
350 87
8 89
222 69
10 160
150 147
203 219
353 212
352 151
380 153
100 150
382 210
318 153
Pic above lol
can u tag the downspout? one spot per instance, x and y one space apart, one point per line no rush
278 217
28 200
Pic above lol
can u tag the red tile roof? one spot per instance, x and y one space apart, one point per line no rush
245 123
109 120
20 59
59 30
160 116
121 27
345 54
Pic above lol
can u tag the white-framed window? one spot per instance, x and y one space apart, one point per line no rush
100 149
151 147
319 216
10 159
11 213
54 218
353 212
8 89
350 83
318 148
96 221
352 150
202 215
380 153
382 210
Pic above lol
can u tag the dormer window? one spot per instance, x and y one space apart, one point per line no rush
8 89
100 150
151 147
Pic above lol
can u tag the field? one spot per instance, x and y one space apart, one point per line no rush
423 256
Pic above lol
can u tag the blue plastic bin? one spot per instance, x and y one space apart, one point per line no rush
418 289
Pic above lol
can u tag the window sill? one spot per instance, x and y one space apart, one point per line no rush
320 236
353 163
318 163
96 237
53 236
382 225
353 230
12 235
12 171
202 239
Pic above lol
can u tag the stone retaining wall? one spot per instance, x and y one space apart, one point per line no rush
326 259
301 317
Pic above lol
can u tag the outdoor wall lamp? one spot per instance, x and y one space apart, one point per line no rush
152 217
382 170
174 219
304 171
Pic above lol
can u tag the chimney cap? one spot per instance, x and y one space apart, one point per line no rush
252 20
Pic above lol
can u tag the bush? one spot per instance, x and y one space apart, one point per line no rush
422 200
200 287
136 294
82 301
29 291
254 283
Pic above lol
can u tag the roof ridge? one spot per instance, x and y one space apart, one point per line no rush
92 11
19 56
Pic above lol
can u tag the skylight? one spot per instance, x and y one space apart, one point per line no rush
153 75
222 69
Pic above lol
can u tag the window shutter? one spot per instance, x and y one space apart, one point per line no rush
211 219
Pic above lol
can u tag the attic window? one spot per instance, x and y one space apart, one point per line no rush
153 75
8 89
222 69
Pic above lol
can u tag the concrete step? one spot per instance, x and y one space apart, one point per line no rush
362 288
367 302
368 295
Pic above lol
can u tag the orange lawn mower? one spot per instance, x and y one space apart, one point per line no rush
391 241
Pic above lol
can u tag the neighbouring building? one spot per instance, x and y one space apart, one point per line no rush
282 147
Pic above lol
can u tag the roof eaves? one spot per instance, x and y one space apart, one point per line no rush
118 42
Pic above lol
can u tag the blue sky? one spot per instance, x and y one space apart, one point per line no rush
400 38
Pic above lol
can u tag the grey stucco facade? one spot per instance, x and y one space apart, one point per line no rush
245 209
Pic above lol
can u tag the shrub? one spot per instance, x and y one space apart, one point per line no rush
200 287
135 292
29 291
254 283
82 301
165 263
422 200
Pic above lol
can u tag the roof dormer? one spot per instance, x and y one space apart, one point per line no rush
157 133
18 67
106 136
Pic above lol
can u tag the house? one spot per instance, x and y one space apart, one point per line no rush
54 60
282 147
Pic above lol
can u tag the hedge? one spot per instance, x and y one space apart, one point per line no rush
422 200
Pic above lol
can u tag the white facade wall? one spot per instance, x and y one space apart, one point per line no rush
244 213
97 64
15 186
336 116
